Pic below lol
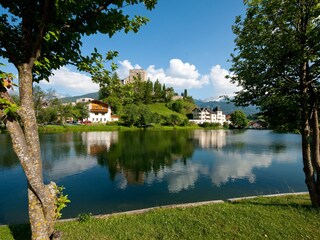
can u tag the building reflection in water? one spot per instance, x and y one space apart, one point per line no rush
98 142
69 154
177 158
211 139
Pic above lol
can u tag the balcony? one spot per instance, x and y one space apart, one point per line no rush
99 110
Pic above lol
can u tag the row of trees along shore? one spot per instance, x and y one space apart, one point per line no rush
276 62
50 109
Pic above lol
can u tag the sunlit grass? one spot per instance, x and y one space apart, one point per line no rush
289 217
80 128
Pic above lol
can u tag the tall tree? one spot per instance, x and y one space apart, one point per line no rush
80 111
157 91
148 91
37 37
239 119
277 62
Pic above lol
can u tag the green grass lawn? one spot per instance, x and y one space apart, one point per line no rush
80 128
161 109
289 217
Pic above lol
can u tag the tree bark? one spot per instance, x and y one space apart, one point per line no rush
26 144
315 157
308 153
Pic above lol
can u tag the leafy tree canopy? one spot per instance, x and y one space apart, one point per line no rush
48 33
277 63
273 40
239 119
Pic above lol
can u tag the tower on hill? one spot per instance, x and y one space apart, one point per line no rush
136 74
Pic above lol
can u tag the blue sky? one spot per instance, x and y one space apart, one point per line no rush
185 45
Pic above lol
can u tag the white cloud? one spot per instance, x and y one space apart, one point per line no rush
220 84
68 82
124 67
178 69
178 75
183 75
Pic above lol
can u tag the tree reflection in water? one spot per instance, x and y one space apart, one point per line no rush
136 154
7 156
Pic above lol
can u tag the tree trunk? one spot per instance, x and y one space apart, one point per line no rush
316 148
26 144
308 153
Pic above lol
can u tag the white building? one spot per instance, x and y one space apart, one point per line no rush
99 112
84 100
202 115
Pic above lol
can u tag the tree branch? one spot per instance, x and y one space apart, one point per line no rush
74 24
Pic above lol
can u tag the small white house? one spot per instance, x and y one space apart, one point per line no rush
99 112
202 115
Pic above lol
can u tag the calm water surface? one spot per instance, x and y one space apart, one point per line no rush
106 172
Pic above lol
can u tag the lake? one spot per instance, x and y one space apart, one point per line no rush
105 172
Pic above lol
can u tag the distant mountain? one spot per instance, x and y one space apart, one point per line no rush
214 99
226 107
94 95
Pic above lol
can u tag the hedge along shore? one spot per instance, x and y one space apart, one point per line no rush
185 205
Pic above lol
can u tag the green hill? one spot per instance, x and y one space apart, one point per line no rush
163 110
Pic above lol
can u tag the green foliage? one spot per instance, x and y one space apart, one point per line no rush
239 119
131 115
271 48
61 200
166 115
153 151
56 29
174 120
184 106
211 125
8 108
177 106
84 217
139 115
137 91
80 111
49 109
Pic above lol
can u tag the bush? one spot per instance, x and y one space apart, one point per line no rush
210 125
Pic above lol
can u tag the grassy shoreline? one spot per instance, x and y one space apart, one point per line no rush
112 127
108 127
280 217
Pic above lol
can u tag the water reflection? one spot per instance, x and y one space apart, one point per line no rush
237 160
211 139
105 172
7 157
138 154
178 158
98 142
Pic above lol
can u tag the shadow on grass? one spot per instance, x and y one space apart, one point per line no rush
20 231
